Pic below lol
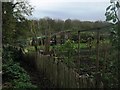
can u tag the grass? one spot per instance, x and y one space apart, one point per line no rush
82 45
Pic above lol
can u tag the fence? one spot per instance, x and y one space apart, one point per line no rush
58 73
96 42
100 56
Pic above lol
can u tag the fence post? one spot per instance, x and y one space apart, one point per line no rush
47 44
90 46
79 46
118 48
68 34
58 79
105 58
97 59
97 49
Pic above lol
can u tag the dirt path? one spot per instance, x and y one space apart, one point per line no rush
37 78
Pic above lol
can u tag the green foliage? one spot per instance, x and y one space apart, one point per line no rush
45 25
85 36
14 23
111 12
66 49
8 22
111 75
110 81
12 71
114 37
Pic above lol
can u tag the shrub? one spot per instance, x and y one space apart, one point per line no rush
12 71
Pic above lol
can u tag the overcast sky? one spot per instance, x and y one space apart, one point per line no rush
87 10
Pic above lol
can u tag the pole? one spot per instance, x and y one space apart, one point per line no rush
47 40
97 49
97 60
118 51
79 46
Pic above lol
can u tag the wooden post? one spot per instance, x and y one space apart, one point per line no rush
41 39
90 46
69 35
118 51
0 30
79 46
46 45
47 41
105 58
97 49
58 72
58 38
97 60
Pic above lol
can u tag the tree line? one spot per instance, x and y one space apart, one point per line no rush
16 26
50 25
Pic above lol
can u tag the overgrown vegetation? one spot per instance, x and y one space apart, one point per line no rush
14 29
108 58
112 74
14 76
19 31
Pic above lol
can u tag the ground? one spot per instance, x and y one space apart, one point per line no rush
37 78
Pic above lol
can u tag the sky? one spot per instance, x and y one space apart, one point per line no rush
84 10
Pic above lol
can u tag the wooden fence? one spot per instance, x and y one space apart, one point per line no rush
58 73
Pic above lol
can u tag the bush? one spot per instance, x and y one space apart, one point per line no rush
12 72
67 49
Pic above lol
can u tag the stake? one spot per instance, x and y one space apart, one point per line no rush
79 46
97 60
